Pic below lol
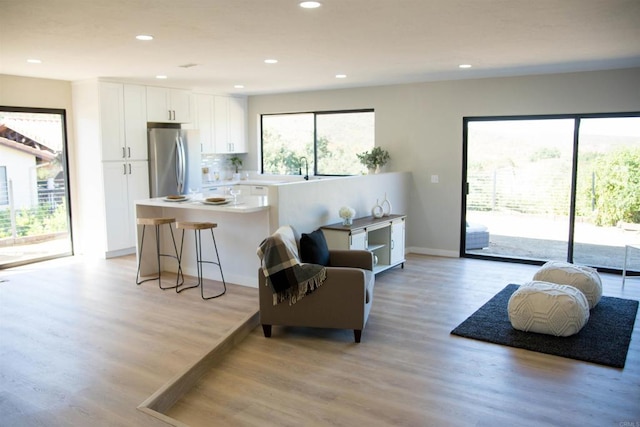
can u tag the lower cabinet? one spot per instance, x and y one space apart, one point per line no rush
124 183
384 237
396 251
357 240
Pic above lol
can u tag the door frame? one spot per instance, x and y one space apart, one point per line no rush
65 152
577 117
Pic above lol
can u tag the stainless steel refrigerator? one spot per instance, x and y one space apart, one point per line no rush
174 161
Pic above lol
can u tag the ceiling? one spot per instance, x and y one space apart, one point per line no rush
373 42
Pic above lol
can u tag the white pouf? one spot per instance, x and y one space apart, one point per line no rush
586 279
548 308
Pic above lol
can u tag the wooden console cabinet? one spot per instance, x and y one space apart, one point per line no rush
382 236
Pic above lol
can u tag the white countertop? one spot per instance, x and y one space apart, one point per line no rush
245 204
209 184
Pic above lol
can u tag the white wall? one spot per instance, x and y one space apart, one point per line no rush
21 172
421 126
307 205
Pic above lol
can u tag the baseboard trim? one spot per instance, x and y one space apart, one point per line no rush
119 253
166 396
433 252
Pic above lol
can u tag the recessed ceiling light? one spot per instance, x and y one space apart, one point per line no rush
310 4
144 37
161 76
464 66
270 61
34 61
238 86
341 76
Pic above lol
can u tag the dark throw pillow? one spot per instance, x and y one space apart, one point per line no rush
314 249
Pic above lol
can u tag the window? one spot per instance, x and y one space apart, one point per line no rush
328 141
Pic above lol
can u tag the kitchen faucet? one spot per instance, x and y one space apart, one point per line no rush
306 164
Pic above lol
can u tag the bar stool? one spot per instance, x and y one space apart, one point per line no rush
197 227
157 222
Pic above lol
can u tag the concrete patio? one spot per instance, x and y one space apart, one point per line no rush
520 236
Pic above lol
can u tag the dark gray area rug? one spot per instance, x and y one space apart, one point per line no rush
604 339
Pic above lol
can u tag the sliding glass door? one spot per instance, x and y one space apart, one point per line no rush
563 188
34 198
607 191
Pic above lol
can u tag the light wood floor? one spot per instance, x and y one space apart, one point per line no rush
81 344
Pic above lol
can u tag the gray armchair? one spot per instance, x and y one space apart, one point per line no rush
343 301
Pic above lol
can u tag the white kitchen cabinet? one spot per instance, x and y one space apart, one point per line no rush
122 122
384 237
111 109
221 122
124 183
110 119
258 190
230 124
203 121
135 122
237 119
166 105
252 190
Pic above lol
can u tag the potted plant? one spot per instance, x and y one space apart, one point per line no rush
236 162
375 159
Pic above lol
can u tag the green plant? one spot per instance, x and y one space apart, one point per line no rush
43 219
617 187
377 157
236 162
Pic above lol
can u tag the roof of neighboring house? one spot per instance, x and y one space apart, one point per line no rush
46 155
18 140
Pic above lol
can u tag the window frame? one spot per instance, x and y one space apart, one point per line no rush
314 172
67 172
577 118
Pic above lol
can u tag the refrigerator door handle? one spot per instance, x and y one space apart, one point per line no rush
180 164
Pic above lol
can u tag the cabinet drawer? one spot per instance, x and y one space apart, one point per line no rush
214 189
259 190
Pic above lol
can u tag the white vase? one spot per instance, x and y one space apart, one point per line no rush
377 211
386 206
347 221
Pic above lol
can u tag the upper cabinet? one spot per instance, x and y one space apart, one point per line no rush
237 118
221 122
123 122
230 114
203 122
168 105
135 125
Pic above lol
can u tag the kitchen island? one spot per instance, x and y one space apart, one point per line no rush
264 205
241 228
